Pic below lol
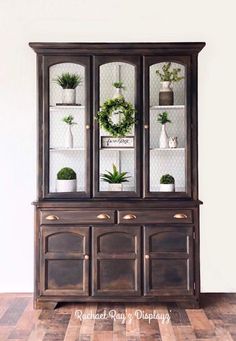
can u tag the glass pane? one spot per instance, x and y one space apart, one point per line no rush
118 151
167 141
67 141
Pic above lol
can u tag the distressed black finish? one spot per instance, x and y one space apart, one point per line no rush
151 257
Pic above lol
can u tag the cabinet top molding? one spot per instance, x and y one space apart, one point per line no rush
177 47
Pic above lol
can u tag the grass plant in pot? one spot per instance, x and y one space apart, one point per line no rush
69 141
164 139
167 77
115 179
66 180
119 86
167 183
69 82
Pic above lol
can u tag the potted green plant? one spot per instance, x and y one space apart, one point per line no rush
68 82
167 77
69 120
119 86
167 183
115 179
163 119
66 180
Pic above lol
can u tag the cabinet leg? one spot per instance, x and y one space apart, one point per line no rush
45 305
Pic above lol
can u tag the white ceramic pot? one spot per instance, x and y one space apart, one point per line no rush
165 86
167 187
69 137
66 185
164 140
68 96
115 187
118 93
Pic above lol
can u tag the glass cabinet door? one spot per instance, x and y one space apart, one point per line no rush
69 122
117 131
166 128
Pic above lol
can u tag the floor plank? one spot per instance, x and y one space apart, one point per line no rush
216 320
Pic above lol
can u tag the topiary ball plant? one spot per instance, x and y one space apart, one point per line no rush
167 179
66 174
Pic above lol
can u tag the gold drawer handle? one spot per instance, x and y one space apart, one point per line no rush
180 216
147 256
52 217
86 257
129 217
103 216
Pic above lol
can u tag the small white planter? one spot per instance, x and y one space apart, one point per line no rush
118 93
115 187
167 187
69 138
66 185
68 96
164 139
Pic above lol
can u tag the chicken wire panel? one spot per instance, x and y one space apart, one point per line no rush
73 159
124 161
167 162
117 72
155 84
58 128
56 90
177 127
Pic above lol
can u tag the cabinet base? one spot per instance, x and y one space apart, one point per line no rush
45 305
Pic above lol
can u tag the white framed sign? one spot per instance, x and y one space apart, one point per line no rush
117 142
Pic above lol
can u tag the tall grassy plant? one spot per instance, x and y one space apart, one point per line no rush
69 80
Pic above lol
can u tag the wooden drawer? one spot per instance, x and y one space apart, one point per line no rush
76 217
155 216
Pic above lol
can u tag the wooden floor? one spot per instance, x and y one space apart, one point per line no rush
215 321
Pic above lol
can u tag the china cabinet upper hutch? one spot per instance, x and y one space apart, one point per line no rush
133 242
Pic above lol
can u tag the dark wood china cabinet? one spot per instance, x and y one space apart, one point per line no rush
130 114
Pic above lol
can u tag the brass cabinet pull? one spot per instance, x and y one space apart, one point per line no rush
103 216
147 256
86 257
52 217
129 217
180 216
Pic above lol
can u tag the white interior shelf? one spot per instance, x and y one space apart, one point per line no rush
167 107
117 149
68 107
167 149
66 149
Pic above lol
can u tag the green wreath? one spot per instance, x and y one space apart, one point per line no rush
120 106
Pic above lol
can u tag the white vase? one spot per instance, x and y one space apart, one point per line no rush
69 137
118 93
166 95
66 185
164 140
167 187
68 96
115 187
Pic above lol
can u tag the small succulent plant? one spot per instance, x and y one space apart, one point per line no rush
119 85
68 80
66 174
69 120
115 177
169 75
167 179
163 118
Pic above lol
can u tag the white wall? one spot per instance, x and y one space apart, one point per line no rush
117 20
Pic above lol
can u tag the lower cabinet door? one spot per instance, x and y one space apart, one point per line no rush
168 261
116 261
64 257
